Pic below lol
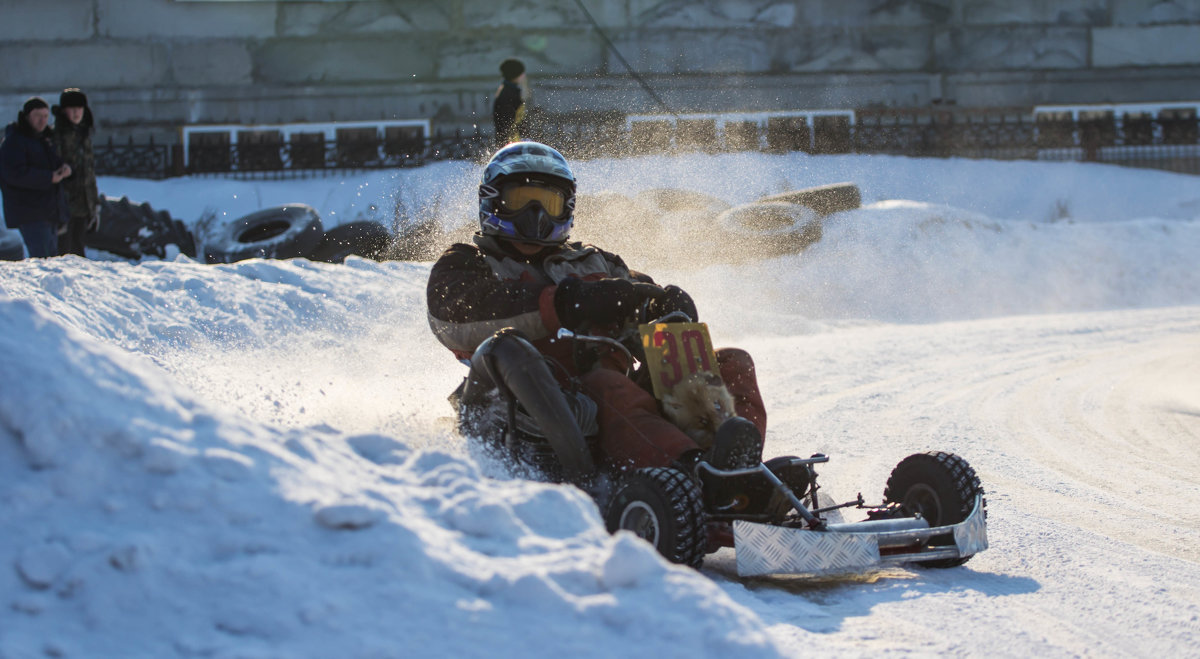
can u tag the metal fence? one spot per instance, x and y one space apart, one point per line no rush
1169 141
281 159
148 160
306 158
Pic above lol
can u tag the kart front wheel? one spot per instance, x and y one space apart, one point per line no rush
939 486
664 507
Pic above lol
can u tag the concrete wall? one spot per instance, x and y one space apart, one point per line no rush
150 66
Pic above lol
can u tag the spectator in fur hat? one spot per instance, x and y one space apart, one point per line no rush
508 109
73 128
30 173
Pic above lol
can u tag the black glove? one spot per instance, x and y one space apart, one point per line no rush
602 302
674 298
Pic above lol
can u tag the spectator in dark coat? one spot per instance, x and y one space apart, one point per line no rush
508 110
73 126
30 172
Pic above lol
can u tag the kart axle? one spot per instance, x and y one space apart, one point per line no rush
857 503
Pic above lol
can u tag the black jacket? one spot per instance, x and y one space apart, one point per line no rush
74 145
475 290
505 110
27 165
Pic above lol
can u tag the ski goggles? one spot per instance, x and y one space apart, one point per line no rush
517 195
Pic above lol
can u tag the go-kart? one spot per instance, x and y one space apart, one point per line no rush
774 514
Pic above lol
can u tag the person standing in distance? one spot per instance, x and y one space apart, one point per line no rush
508 109
73 126
30 173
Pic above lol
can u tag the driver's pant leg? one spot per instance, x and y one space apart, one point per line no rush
632 432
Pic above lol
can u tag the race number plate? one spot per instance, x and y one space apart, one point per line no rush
675 351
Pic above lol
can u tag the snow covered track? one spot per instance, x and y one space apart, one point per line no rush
1111 431
1083 429
252 459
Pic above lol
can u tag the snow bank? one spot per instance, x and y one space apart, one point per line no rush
140 521
904 261
254 459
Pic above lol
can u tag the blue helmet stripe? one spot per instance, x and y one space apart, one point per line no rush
541 162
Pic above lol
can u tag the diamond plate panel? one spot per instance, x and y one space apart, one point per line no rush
765 549
971 536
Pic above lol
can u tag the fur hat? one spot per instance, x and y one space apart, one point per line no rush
512 69
34 103
72 98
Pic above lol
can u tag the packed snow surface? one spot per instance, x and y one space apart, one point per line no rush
256 459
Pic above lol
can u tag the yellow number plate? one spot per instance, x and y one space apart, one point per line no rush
675 351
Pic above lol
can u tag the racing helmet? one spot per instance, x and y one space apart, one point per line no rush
527 195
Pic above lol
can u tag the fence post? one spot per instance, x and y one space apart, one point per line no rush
176 167
1089 139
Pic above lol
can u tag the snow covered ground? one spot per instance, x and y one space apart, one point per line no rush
254 459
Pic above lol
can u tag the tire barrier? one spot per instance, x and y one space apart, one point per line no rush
674 199
769 228
701 227
685 228
133 231
279 232
365 238
824 199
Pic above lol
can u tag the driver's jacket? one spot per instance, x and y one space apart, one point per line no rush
476 290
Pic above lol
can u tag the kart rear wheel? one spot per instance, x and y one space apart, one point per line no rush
941 487
663 506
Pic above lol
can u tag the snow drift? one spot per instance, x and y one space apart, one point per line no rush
254 459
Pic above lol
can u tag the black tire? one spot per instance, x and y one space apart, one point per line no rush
824 199
135 230
941 487
663 506
366 239
675 199
766 229
280 232
12 246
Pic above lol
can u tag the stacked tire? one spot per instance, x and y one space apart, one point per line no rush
785 223
682 228
704 227
764 229
280 232
367 239
133 231
293 231
823 200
